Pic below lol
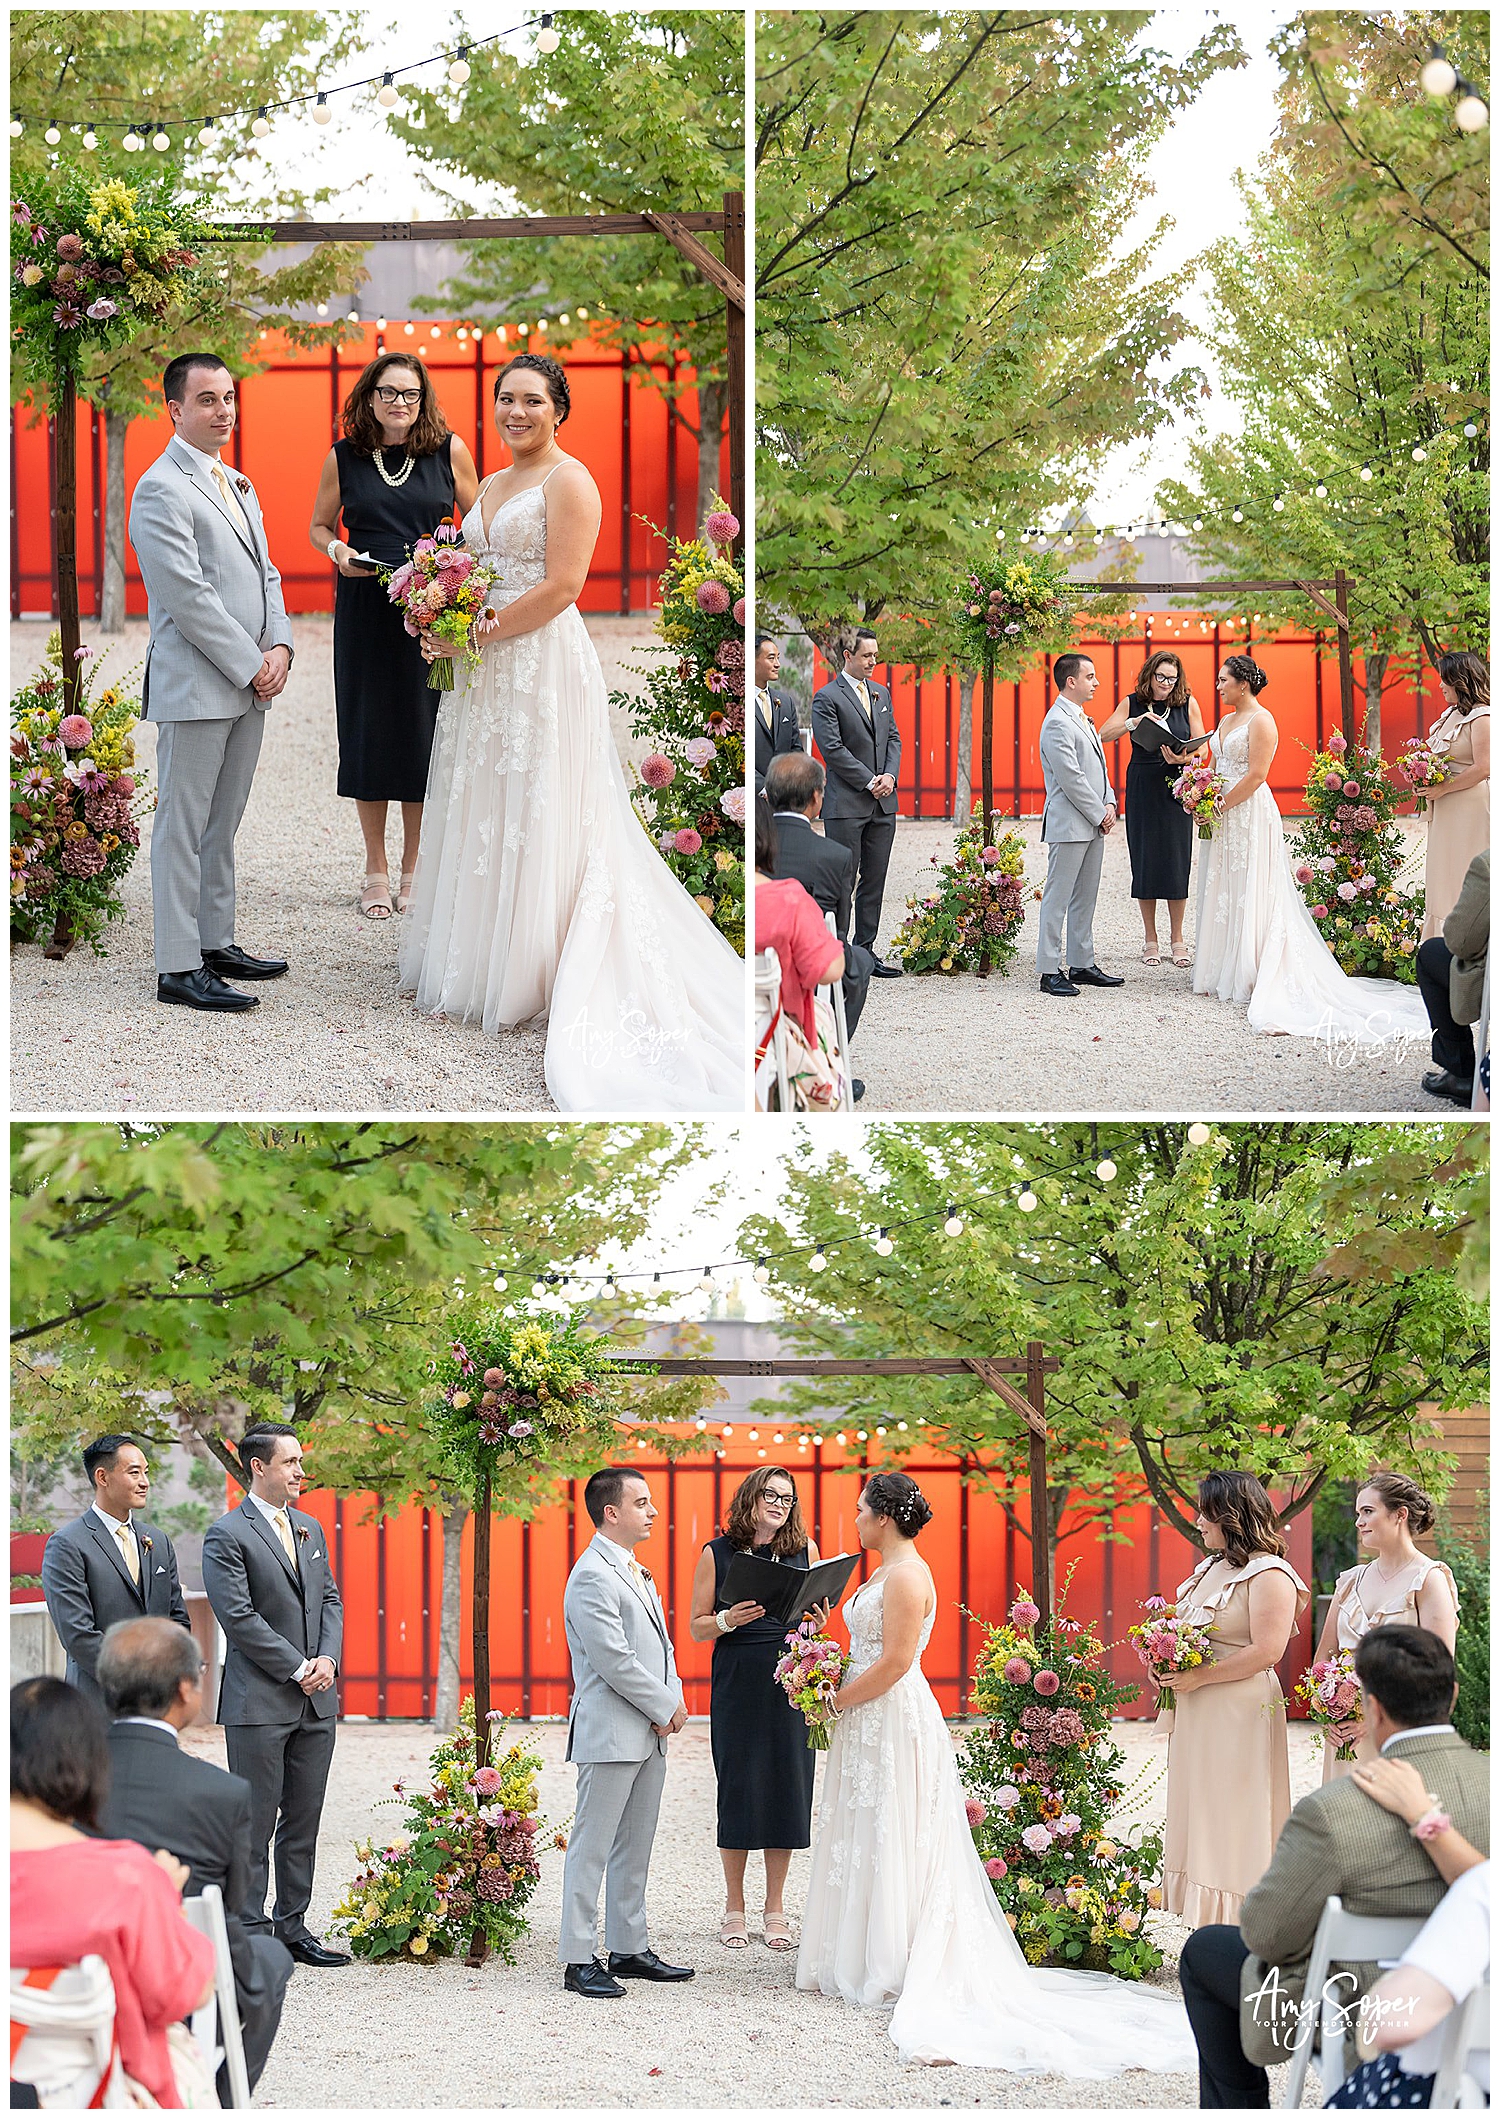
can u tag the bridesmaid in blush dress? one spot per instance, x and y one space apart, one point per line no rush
1228 1782
1458 811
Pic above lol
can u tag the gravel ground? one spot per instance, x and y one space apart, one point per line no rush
88 1034
397 2036
960 1043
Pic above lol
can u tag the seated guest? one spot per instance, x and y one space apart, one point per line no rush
151 1677
788 921
1450 973
111 1564
824 868
776 727
1337 1841
74 1896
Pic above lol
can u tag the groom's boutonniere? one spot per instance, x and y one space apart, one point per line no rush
243 484
301 1533
146 1546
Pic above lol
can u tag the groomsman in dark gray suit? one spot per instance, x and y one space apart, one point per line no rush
111 1564
265 1567
855 730
776 727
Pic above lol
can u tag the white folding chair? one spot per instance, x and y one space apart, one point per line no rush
216 2026
773 1067
1466 2033
835 991
1342 1938
1479 1101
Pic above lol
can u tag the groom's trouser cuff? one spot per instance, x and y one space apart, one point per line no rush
614 1823
203 774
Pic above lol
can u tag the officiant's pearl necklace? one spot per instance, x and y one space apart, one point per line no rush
401 476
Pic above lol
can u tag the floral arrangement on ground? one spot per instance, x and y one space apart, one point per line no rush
691 787
1347 855
516 1394
1043 1785
74 801
971 921
1008 608
465 1866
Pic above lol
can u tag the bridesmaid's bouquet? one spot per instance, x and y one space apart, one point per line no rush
1421 766
441 591
1200 790
1330 1692
810 1674
1168 1645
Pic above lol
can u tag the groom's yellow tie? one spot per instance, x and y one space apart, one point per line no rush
232 507
638 1576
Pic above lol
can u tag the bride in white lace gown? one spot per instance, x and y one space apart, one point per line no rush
539 895
1257 943
899 1909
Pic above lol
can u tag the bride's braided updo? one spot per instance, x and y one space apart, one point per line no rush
1247 671
896 1495
553 374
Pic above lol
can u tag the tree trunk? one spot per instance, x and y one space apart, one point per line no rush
451 1619
1375 674
65 431
482 1620
713 403
963 785
112 602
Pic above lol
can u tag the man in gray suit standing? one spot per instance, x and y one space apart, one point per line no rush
221 647
627 1701
855 729
265 1567
1079 813
111 1564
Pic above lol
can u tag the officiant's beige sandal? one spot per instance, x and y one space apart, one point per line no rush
1183 958
376 887
778 1931
1150 955
732 1932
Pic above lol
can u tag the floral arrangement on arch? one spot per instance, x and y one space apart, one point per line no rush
691 786
1346 857
512 1392
1008 608
93 263
464 1867
1042 1784
971 920
74 801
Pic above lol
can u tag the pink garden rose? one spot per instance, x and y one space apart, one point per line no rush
713 597
1046 1682
1037 1839
732 802
1347 892
1007 1797
658 771
701 751
401 580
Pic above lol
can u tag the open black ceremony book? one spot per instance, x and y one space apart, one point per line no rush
1150 734
787 1593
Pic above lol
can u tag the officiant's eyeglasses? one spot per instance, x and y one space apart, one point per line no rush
779 1493
397 397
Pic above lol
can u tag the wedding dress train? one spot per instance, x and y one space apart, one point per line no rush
899 1909
1258 945
539 894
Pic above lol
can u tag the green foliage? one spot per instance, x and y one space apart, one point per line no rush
1282 1297
1469 1560
465 1866
971 920
949 331
512 1393
72 840
1007 609
1042 1776
1349 850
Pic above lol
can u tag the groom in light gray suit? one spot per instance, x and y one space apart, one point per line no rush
627 1701
221 647
1079 814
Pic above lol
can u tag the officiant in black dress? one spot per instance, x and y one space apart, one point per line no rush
1158 830
761 1756
395 474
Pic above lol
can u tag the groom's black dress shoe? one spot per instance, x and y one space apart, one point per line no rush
883 968
857 1089
592 1979
308 1950
1452 1087
1054 982
645 1964
232 963
201 989
1091 975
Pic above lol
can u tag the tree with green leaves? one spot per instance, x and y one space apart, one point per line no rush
84 66
949 334
1197 1295
634 112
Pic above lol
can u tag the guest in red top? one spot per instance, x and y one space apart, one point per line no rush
787 920
72 1897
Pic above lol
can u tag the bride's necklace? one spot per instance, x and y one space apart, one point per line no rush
401 476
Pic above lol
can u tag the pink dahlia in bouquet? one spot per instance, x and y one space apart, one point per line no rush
1330 1692
810 1674
441 591
1169 1645
1200 790
1421 766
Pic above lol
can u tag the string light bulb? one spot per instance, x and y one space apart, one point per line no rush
1471 113
16 128
388 95
1320 492
500 1283
762 1270
1439 76
953 1226
816 1263
130 143
537 1288
547 39
322 114
609 1286
1278 504
459 70
1198 1133
883 1244
160 142
1470 430
1106 1171
206 134
1027 1201
260 126
1365 474
706 1284
52 136
91 139
1238 515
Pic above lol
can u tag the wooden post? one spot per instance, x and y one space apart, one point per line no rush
1041 1531
479 1948
1346 656
734 317
986 784
64 416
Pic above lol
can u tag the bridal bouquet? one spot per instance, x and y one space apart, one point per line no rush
1200 790
1168 1645
810 1674
1330 1693
1421 767
442 590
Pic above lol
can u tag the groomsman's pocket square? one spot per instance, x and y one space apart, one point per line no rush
161 1570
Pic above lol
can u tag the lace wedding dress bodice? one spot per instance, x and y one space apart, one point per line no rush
901 1915
539 897
1257 943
